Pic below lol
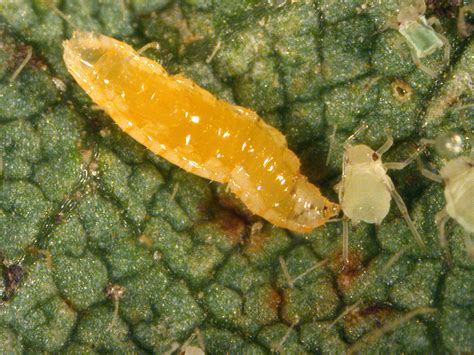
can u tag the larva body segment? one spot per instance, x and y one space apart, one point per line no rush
185 124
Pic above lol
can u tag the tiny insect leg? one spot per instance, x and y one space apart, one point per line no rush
447 47
403 164
469 245
420 66
386 146
29 54
433 20
148 46
430 175
332 141
441 218
345 240
404 211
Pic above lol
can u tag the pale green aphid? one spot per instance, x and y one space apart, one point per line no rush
458 179
419 33
365 190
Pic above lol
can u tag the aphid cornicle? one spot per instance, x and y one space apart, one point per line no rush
176 119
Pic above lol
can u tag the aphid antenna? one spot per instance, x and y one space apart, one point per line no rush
349 309
29 54
403 164
387 145
286 273
354 135
332 141
314 267
386 328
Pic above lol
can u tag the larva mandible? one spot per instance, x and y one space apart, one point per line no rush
178 120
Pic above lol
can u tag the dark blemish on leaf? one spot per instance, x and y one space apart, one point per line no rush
401 90
376 313
274 300
12 277
232 225
114 292
443 8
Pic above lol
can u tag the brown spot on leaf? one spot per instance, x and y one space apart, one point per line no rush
12 277
274 300
443 8
402 91
232 225
256 243
377 314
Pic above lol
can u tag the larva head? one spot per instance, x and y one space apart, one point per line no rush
311 209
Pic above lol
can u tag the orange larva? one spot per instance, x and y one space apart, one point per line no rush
185 124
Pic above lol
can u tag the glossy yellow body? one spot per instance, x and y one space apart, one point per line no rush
185 124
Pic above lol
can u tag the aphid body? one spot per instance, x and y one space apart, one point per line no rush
185 124
365 190
419 33
458 175
458 179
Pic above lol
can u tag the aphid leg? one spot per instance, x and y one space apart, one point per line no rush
447 47
350 309
469 245
332 141
405 163
148 46
386 146
421 66
22 65
345 240
378 332
430 175
61 14
393 260
404 211
286 273
441 218
353 136
214 52
314 267
433 20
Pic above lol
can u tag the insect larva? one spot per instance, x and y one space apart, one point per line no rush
185 124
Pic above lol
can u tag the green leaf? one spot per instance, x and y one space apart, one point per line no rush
106 247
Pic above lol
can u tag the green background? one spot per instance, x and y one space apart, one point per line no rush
90 220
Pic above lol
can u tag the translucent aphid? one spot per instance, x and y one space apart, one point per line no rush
458 178
185 124
365 189
421 37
